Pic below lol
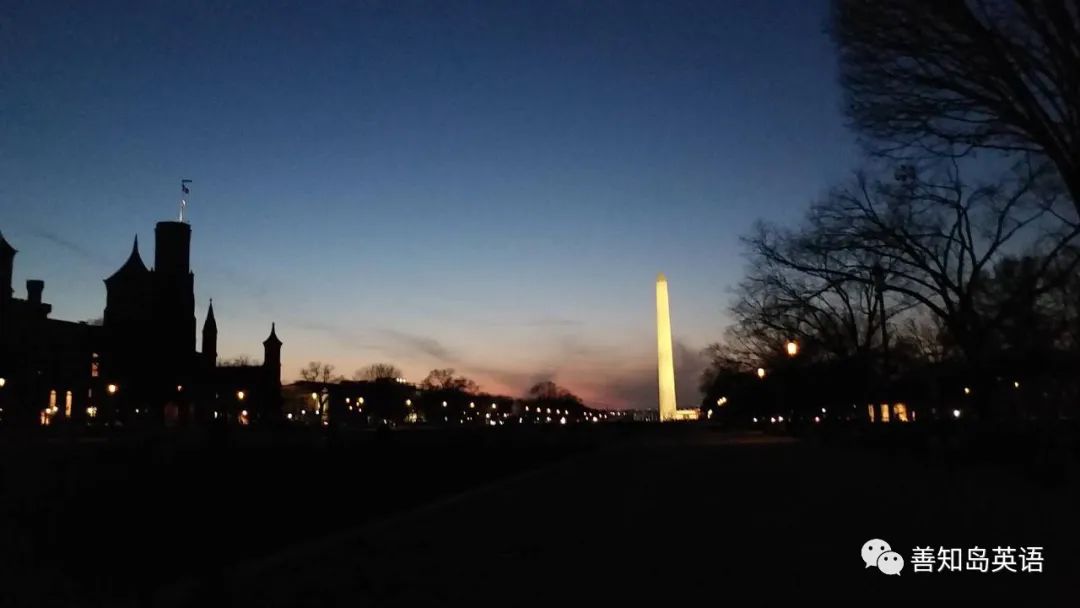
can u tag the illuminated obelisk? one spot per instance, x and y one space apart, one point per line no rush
666 362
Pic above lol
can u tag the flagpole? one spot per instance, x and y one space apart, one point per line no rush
184 192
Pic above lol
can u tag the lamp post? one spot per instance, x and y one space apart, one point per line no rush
110 394
791 347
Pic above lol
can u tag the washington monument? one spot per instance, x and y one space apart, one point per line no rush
666 363
666 360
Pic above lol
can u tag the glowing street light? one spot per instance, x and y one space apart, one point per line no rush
3 382
761 373
792 348
1016 383
967 390
240 395
112 388
956 413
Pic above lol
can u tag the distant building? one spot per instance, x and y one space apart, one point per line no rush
140 364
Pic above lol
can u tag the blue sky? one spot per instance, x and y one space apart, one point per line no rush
486 186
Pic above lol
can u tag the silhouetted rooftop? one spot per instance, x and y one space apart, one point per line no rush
133 267
5 246
272 338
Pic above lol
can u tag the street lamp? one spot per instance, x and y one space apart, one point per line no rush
112 388
240 395
792 348
3 382
761 373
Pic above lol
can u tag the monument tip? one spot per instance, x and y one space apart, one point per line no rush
660 278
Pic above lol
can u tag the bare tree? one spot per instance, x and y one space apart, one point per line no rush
444 379
938 241
317 371
378 371
550 391
776 303
239 361
946 77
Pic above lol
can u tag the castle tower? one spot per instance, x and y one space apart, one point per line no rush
272 355
209 337
174 294
666 362
7 265
128 313
127 293
172 248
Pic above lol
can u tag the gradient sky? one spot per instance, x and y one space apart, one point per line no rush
485 186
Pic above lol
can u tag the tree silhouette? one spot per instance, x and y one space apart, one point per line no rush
239 361
968 266
317 371
549 390
949 77
378 371
938 240
444 379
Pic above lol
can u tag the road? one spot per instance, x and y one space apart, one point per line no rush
682 519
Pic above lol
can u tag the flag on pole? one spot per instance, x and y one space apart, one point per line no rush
183 186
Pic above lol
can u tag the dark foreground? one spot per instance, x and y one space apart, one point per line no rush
690 518
671 516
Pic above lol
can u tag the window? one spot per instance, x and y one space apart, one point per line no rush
50 411
901 412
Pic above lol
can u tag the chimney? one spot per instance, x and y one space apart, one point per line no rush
34 287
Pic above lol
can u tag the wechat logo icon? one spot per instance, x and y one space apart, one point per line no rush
878 553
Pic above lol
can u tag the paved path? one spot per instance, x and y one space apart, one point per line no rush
700 519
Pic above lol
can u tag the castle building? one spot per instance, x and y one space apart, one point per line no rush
140 364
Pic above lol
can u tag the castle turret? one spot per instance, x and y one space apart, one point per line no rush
7 264
272 355
127 293
209 337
